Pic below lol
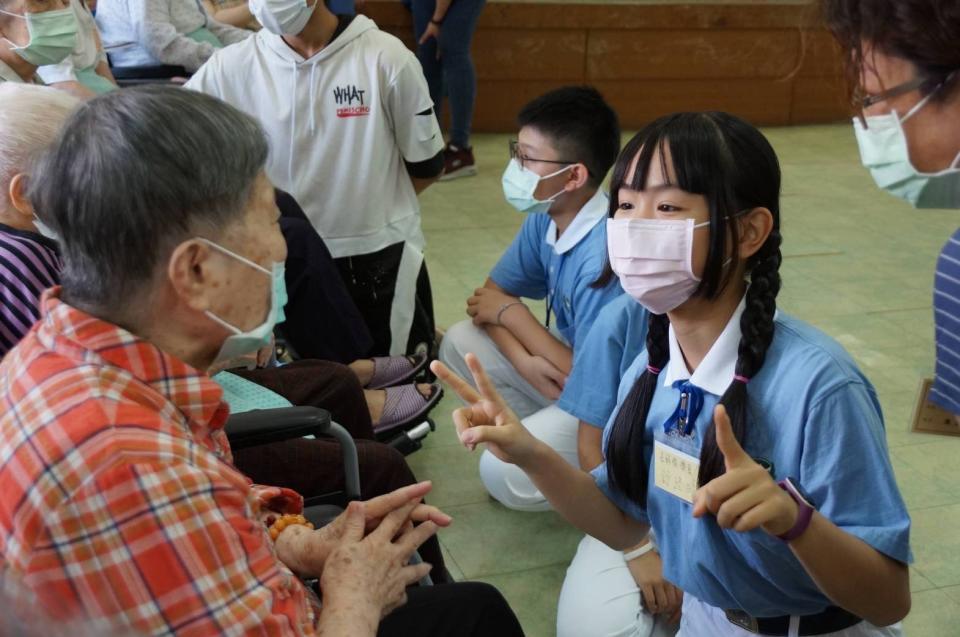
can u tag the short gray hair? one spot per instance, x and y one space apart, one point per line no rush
134 173
30 118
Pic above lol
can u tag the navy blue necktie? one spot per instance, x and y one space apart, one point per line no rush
688 409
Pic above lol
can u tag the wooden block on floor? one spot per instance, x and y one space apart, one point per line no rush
931 419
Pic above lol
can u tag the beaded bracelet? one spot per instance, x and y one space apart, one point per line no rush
287 520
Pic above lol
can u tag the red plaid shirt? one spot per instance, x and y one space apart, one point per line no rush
119 500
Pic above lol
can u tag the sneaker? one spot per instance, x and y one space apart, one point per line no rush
457 162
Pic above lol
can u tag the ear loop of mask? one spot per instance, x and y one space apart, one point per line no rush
554 174
241 259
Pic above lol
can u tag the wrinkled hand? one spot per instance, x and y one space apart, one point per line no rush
307 551
745 497
377 509
660 597
487 418
370 574
544 375
484 306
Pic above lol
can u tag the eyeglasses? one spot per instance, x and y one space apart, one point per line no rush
864 100
515 153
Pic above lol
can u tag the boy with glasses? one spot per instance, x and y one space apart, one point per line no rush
567 142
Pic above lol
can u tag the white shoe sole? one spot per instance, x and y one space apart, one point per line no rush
466 171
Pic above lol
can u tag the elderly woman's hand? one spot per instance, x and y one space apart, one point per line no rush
367 577
306 551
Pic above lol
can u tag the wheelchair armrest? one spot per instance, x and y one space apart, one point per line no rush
264 426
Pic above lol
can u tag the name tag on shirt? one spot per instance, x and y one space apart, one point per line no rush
675 471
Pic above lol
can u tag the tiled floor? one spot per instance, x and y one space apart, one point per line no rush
858 264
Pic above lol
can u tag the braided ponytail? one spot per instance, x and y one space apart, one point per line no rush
756 327
625 460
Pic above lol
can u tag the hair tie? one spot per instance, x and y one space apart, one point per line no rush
742 379
653 370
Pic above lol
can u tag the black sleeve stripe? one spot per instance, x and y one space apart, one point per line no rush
427 169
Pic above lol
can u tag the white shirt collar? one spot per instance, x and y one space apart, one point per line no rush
716 370
591 213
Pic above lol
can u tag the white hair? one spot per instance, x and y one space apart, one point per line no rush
30 118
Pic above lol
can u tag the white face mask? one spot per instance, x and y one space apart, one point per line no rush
883 151
653 259
283 17
519 184
45 230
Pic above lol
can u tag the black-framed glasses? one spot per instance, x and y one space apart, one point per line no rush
515 153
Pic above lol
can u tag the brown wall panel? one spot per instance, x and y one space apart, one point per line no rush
773 64
819 100
762 102
520 14
504 99
528 54
689 54
820 55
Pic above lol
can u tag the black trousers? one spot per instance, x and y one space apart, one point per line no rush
371 280
322 320
466 609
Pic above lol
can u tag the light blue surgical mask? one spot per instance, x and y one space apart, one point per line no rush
53 34
883 151
242 343
519 184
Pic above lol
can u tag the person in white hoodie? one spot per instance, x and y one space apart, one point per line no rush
354 138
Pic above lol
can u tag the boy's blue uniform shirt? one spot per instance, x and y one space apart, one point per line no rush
538 265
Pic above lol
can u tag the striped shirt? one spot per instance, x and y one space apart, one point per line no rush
29 264
119 499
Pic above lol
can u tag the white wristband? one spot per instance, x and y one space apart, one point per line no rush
640 552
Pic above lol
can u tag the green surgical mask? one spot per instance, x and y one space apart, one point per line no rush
53 35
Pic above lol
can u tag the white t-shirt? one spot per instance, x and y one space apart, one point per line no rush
341 125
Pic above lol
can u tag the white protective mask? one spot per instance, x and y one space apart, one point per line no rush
283 17
519 184
653 259
45 230
883 151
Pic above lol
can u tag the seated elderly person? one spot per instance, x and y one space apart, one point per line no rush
234 12
85 72
34 33
151 33
29 121
120 500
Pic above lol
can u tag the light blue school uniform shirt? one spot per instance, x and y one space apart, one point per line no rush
539 265
814 417
618 335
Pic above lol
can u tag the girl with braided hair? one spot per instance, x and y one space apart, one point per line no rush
732 407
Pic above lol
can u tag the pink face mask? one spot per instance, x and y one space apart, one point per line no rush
653 259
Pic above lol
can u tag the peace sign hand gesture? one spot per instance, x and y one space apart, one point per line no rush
486 417
745 497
